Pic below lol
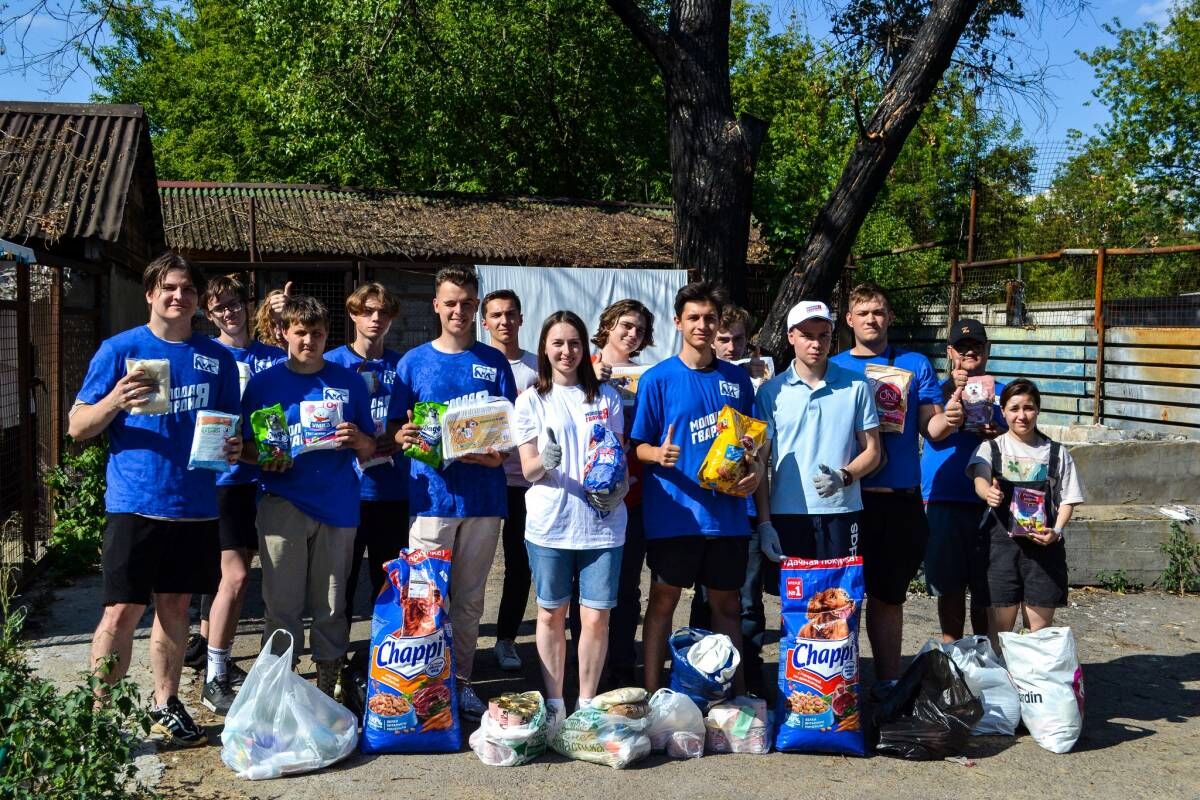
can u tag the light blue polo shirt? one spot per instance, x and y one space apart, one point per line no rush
808 427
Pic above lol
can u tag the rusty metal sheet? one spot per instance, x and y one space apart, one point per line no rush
1149 337
1167 356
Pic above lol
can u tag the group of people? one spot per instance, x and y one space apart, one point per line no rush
830 482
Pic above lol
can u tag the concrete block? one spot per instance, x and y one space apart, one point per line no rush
1139 472
1112 538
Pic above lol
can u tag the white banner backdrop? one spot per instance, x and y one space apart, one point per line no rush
587 292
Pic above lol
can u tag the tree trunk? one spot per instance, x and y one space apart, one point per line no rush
816 269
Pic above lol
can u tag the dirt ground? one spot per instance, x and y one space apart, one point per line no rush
1141 670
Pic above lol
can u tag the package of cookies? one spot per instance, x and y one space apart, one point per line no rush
738 440
159 371
477 424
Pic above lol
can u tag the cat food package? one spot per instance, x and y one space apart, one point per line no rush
978 398
738 440
319 421
271 435
159 371
428 449
1028 509
476 425
889 384
208 440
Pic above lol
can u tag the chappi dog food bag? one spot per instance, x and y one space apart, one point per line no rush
412 706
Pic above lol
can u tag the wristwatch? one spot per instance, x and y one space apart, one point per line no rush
847 478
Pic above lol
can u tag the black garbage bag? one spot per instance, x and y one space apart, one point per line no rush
929 714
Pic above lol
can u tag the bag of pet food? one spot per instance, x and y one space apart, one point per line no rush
604 467
738 439
412 705
477 424
271 435
1028 509
612 731
319 421
739 726
819 689
513 732
428 449
208 440
978 398
159 371
889 384
625 380
1045 667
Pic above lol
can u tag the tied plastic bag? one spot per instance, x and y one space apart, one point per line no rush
477 424
159 371
710 683
513 732
271 435
739 726
280 724
988 680
428 449
1045 667
738 439
208 440
889 384
319 421
676 725
604 467
611 732
978 397
929 714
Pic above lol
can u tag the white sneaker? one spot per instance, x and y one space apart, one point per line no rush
470 707
506 655
555 717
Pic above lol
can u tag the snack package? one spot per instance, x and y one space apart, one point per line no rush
676 725
1045 668
476 425
319 420
513 732
818 707
604 469
271 435
739 726
412 705
978 397
611 732
625 381
429 448
889 384
208 440
1028 509
159 371
738 439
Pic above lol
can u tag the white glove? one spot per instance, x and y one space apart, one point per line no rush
551 453
827 481
768 541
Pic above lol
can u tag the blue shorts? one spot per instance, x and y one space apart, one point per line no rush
554 570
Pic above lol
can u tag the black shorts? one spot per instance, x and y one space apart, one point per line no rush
1023 571
956 558
716 562
238 506
143 556
894 535
820 536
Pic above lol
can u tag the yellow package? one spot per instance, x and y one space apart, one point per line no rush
738 439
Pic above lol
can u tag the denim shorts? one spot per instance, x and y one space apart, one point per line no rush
554 570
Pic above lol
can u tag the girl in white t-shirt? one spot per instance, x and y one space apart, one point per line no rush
1031 489
570 536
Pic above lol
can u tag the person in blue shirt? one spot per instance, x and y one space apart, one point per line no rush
956 557
226 302
160 539
309 507
457 506
693 535
908 400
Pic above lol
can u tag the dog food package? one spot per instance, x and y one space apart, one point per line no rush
208 440
611 732
889 384
513 732
271 435
625 381
476 426
1045 667
412 705
978 398
159 371
768 367
604 467
1028 509
319 420
819 689
738 440
739 726
428 448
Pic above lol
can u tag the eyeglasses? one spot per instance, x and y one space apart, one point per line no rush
229 308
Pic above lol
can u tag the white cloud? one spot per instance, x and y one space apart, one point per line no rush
1158 11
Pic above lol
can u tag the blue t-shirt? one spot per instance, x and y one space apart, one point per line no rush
382 481
323 484
256 358
148 454
426 374
671 393
944 464
903 468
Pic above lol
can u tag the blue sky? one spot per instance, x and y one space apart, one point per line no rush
1047 38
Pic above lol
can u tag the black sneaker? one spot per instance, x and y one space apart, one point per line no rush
176 725
218 696
196 654
235 674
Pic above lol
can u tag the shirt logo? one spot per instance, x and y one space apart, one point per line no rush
341 395
206 364
483 373
596 416
730 390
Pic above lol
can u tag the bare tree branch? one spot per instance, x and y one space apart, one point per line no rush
644 29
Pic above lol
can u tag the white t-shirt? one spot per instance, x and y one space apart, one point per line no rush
525 375
1020 462
557 511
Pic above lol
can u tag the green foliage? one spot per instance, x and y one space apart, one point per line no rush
56 746
1118 582
78 483
1182 574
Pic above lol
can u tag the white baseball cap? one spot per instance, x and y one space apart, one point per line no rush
806 310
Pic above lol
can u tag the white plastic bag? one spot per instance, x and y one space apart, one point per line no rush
738 726
501 745
159 371
1045 668
988 680
676 725
609 739
280 724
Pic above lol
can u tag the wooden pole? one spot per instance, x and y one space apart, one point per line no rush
952 309
28 464
56 368
1098 323
971 226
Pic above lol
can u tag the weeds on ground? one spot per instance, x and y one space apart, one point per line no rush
78 533
1118 582
1182 574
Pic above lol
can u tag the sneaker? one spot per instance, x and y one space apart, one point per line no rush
218 695
176 725
196 654
555 717
235 674
470 707
506 655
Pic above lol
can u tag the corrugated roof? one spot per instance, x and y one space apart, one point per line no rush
66 169
294 220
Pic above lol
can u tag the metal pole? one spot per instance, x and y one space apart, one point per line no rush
971 226
952 310
28 471
1098 323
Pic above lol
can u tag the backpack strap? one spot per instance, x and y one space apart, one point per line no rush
997 471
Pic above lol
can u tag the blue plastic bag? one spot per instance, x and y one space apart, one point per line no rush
704 690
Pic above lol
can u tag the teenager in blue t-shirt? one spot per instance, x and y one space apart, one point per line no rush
309 507
894 529
457 506
160 538
693 535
